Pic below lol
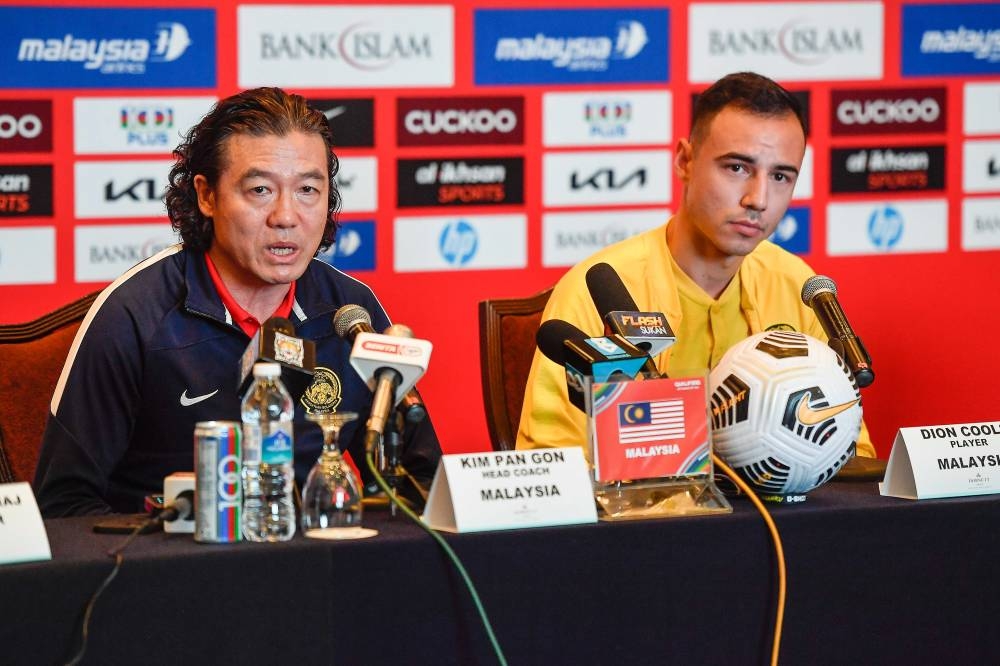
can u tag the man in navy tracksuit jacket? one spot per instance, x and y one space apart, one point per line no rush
159 351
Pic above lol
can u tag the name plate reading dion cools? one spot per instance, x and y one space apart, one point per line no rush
502 490
944 461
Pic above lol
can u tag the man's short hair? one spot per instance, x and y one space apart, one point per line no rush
255 112
746 91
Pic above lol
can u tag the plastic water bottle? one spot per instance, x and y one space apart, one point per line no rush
268 472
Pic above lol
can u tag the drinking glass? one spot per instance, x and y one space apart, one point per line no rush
331 499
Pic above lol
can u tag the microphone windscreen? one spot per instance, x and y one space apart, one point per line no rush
816 284
349 316
551 338
608 291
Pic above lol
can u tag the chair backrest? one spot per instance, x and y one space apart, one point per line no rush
507 328
31 357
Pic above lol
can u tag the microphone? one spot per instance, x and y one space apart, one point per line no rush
648 331
820 293
276 342
348 321
390 365
611 358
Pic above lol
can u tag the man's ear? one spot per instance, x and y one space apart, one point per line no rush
206 195
683 154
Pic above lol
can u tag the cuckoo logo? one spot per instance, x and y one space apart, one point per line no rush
25 126
430 121
888 111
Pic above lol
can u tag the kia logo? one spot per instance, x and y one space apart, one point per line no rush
605 179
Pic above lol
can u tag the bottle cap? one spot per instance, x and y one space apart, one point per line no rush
267 370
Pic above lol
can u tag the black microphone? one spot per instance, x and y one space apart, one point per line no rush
276 342
820 293
348 321
610 358
611 297
181 508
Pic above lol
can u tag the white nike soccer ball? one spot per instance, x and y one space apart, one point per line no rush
786 413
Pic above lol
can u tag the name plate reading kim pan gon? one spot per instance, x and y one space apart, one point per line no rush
944 461
500 490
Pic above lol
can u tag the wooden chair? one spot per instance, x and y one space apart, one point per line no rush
507 328
31 357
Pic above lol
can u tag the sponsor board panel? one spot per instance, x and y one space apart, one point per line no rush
804 182
354 249
793 231
28 255
606 117
981 224
469 242
888 111
357 180
75 47
103 252
460 181
134 124
345 46
25 190
351 121
950 38
887 169
787 41
121 189
453 121
898 227
596 178
25 125
982 108
571 46
981 166
569 238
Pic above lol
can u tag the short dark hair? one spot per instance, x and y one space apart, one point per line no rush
746 91
257 112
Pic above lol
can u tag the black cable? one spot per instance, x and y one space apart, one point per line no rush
89 608
448 551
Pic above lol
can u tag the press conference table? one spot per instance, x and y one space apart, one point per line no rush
872 580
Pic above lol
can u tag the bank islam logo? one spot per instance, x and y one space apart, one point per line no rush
797 41
951 38
354 249
570 45
458 243
346 46
83 46
793 232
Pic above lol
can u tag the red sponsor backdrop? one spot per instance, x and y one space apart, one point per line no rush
929 320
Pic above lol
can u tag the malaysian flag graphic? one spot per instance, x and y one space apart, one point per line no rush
650 421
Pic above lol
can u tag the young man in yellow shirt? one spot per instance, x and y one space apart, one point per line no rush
710 269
